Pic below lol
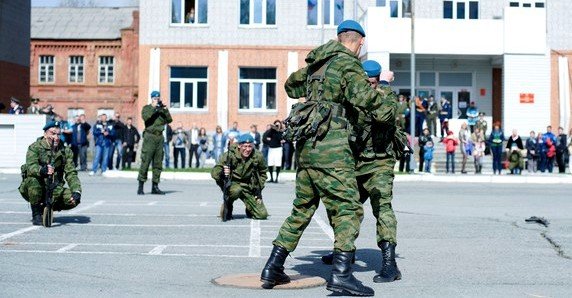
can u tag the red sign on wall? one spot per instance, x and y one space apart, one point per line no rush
527 98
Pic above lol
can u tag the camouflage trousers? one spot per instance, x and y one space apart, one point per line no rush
152 152
337 190
244 192
34 192
378 186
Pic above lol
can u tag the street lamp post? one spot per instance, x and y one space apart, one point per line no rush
412 100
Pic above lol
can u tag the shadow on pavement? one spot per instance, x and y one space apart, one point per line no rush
74 219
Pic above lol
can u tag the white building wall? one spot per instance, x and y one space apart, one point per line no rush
526 74
559 14
16 134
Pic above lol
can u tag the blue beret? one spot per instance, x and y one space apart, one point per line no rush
51 124
155 94
245 138
372 68
350 25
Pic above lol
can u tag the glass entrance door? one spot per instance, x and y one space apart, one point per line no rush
459 100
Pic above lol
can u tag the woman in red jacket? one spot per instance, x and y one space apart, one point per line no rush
450 146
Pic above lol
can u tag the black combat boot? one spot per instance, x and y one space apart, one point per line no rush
342 280
329 259
273 272
36 214
389 271
140 189
155 189
248 213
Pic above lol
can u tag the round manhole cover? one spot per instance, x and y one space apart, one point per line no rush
252 281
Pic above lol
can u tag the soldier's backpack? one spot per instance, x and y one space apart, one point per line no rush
310 120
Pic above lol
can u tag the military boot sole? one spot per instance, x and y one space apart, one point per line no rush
379 279
47 217
344 291
269 284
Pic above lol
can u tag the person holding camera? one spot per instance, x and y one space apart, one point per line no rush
156 116
103 135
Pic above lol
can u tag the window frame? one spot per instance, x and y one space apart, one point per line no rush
264 82
466 9
264 23
195 82
42 66
100 65
183 23
76 67
320 13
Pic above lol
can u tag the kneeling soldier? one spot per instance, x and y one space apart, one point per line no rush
247 170
48 163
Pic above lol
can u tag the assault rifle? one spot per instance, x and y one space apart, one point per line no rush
52 183
227 204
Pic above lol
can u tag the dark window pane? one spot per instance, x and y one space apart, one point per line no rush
539 5
338 12
188 95
189 72
271 96
203 11
175 94
447 9
473 10
257 96
526 5
271 12
312 12
245 12
380 3
393 6
460 10
190 11
258 73
406 8
257 11
244 96
326 10
201 95
176 11
513 4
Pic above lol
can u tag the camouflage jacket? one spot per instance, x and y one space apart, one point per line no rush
346 84
155 119
39 154
251 171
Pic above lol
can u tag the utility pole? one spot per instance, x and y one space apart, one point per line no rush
412 100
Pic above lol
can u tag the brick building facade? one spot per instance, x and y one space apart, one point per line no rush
84 60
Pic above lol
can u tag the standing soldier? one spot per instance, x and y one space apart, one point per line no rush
247 173
156 116
34 108
47 157
482 124
332 81
381 146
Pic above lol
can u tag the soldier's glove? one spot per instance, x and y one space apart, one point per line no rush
44 171
76 197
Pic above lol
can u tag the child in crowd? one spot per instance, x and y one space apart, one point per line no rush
428 155
479 154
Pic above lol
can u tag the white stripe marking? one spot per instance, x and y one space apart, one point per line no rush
203 204
124 253
74 211
254 250
67 247
152 203
157 250
325 227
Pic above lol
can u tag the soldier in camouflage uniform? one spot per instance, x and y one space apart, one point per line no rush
374 171
156 116
326 166
248 175
47 157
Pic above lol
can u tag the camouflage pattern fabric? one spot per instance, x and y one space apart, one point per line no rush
152 150
33 187
337 190
246 175
375 180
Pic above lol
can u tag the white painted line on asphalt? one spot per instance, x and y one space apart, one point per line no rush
13 244
14 212
157 250
159 226
78 210
18 232
325 227
277 227
203 204
303 238
123 214
152 203
254 249
67 247
125 253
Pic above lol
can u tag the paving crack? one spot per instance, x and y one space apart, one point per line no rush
557 247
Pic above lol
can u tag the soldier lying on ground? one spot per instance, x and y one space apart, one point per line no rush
247 169
47 157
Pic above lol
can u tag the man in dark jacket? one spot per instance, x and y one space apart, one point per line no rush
561 150
117 144
79 142
130 140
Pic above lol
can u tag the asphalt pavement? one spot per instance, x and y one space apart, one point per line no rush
454 239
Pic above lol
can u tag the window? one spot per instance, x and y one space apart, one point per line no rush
455 79
514 4
447 9
189 11
393 7
257 89
526 5
258 12
473 10
107 111
73 113
460 10
539 5
326 12
188 87
76 69
106 68
380 3
47 69
426 79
